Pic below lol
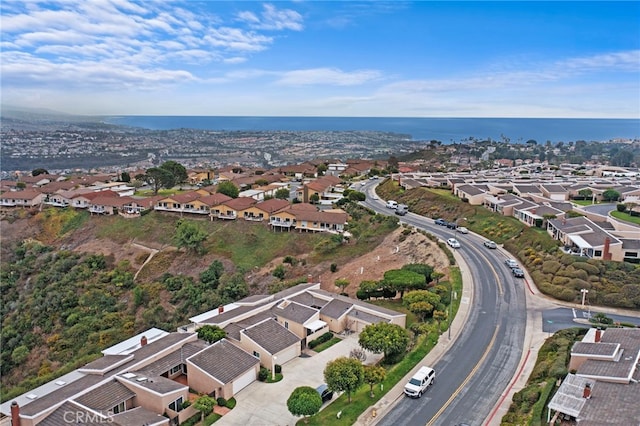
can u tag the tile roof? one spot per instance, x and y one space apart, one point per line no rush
308 299
67 391
366 316
157 384
629 340
336 308
224 361
175 358
240 203
106 396
272 205
272 336
106 362
294 311
139 416
71 411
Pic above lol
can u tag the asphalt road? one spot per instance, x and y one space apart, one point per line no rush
472 375
560 318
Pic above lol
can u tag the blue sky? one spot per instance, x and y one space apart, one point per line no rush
323 58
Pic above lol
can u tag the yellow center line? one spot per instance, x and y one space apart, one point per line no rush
473 372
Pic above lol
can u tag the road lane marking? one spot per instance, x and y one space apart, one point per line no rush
463 384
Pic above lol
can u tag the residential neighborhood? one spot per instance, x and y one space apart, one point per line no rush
146 379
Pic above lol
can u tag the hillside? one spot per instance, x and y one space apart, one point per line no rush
559 275
73 284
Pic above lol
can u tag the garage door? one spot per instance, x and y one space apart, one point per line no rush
288 354
243 381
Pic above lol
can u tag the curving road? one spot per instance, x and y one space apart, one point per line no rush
476 370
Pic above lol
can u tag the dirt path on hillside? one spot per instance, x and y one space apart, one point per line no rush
393 253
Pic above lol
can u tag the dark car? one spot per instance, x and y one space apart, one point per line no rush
440 222
452 225
325 393
518 273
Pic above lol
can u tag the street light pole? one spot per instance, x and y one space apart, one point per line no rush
450 310
584 292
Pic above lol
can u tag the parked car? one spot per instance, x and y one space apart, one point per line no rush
420 381
453 243
451 225
518 273
324 392
462 230
392 204
511 263
440 221
490 244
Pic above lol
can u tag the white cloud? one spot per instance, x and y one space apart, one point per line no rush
327 76
273 19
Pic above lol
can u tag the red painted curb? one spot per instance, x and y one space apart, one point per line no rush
495 410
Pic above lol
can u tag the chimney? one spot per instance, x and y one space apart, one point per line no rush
606 254
220 309
598 335
586 394
15 414
309 278
143 340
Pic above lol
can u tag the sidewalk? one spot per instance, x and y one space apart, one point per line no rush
386 403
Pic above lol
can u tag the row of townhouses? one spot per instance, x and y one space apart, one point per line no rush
147 378
547 204
258 204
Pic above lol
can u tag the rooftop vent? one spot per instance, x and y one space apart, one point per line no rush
129 375
141 379
32 396
61 383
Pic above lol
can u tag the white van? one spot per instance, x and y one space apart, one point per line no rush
420 381
392 204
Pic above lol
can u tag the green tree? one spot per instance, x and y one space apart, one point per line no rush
211 276
439 316
322 169
37 172
205 405
188 234
282 194
304 401
211 333
314 198
386 338
158 178
344 375
610 195
279 272
342 283
420 268
374 374
177 170
125 177
229 189
585 193
402 280
357 196
233 287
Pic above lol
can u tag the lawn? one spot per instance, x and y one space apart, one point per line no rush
326 345
626 217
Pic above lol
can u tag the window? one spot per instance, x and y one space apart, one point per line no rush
120 408
286 325
597 253
630 254
175 370
256 354
176 405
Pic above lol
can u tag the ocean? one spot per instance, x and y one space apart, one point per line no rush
445 130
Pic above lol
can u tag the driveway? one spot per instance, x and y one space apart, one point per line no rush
266 403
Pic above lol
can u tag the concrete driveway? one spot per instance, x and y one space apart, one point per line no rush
266 403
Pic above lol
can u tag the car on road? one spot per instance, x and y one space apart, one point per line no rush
402 209
518 273
374 197
324 392
490 244
440 221
462 230
453 243
392 204
451 225
419 382
511 263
